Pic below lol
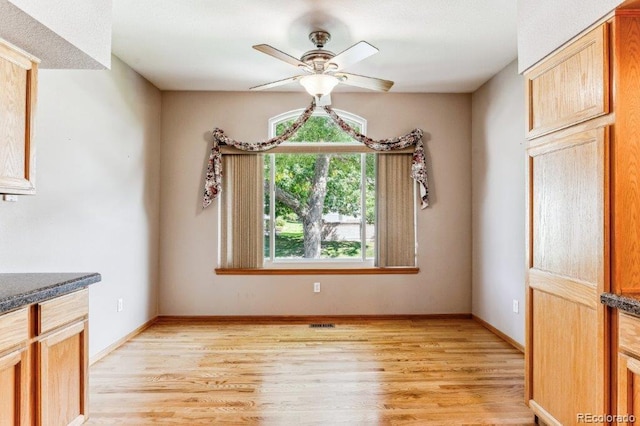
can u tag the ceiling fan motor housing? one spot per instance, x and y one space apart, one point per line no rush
317 58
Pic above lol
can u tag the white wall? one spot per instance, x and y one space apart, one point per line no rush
97 202
64 34
498 206
544 25
189 234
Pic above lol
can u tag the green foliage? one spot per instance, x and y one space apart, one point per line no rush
291 217
289 244
295 172
317 129
292 246
296 175
343 185
280 222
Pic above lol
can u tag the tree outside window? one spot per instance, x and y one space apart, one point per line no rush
323 203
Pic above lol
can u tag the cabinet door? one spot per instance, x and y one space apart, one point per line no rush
568 262
14 397
571 86
17 108
628 387
63 376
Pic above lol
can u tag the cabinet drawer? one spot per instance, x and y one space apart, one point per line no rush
62 310
629 334
571 86
15 329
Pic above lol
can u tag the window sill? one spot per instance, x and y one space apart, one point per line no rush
317 271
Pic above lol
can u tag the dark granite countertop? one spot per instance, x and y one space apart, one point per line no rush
17 290
629 304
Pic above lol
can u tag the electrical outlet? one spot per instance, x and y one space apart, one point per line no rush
120 304
316 287
516 306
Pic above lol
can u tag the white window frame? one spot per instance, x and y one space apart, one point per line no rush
271 262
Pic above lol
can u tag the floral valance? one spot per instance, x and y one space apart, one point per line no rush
213 180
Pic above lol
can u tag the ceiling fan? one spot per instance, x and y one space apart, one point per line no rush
323 69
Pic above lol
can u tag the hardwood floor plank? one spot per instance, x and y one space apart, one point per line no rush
362 372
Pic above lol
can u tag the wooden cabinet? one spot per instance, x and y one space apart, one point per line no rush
14 375
62 383
63 359
44 362
566 345
628 377
571 86
568 231
628 389
14 368
584 223
625 165
18 79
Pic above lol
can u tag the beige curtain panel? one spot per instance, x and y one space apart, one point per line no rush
396 216
241 233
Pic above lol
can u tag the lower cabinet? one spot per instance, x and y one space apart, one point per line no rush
628 389
14 375
14 368
62 383
44 363
62 355
628 377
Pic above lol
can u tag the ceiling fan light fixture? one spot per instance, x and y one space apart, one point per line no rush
319 84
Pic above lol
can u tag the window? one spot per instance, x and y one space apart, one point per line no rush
320 200
319 206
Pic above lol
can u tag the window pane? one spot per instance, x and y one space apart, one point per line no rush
267 206
370 219
318 128
318 206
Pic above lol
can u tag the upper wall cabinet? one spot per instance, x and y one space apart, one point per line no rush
571 86
18 81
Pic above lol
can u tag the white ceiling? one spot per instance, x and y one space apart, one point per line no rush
425 45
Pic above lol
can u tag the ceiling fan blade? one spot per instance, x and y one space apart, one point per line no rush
277 83
350 56
364 82
278 54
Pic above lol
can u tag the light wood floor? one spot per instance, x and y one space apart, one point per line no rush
362 372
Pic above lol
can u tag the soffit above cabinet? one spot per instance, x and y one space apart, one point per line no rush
545 25
63 34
